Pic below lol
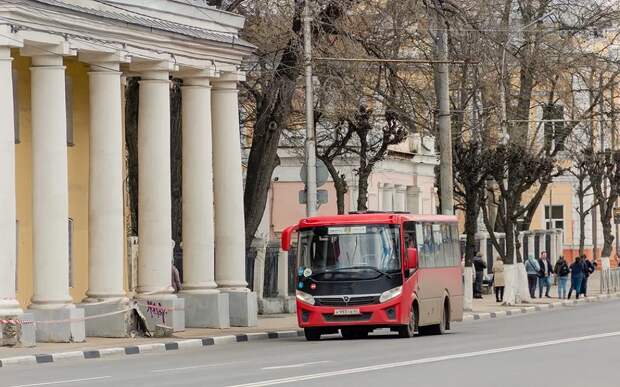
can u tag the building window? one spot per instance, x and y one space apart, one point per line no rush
556 220
553 115
69 110
70 252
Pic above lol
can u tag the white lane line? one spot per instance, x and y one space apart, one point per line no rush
426 360
295 365
192 367
63 381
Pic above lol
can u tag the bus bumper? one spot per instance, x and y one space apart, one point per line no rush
387 314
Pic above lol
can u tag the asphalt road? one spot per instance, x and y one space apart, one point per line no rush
573 346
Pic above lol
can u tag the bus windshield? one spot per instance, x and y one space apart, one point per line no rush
350 252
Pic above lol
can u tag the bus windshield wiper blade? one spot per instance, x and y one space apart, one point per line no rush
364 267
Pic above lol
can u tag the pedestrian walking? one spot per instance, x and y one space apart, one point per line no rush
544 278
562 270
498 279
589 268
533 270
479 267
176 276
176 279
576 277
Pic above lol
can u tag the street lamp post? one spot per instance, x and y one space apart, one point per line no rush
310 149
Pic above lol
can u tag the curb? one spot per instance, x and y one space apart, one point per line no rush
247 337
536 308
147 348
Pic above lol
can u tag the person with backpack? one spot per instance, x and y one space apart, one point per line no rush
533 270
576 277
589 268
479 267
562 270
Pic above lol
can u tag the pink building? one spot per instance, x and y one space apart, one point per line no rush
404 181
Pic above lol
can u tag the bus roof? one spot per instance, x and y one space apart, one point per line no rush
374 218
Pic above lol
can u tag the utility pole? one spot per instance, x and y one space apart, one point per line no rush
442 89
612 106
311 199
593 144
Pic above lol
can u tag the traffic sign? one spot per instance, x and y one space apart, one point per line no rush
321 173
321 196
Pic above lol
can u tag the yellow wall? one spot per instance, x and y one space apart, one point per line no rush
78 157
561 195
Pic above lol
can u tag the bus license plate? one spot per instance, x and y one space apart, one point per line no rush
346 312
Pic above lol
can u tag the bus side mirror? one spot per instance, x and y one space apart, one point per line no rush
412 258
286 237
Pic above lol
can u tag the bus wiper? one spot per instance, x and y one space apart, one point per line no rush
365 267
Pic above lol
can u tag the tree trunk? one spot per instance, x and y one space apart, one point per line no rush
272 114
582 219
471 227
340 184
608 236
176 162
362 195
131 150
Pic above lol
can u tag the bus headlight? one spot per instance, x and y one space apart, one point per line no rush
304 297
390 294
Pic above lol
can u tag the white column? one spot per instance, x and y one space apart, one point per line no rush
228 187
413 199
531 248
400 199
8 233
50 195
198 234
154 192
387 197
105 194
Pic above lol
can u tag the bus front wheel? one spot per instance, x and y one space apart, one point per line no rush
407 331
312 334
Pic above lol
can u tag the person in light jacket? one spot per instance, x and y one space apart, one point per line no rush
498 279
533 269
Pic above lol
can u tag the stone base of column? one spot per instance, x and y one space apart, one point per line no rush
19 332
210 310
68 325
243 307
165 311
276 305
117 320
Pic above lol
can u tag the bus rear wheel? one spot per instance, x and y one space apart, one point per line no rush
407 331
312 334
442 327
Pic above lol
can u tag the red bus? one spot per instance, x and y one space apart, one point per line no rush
363 271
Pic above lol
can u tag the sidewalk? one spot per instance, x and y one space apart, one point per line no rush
284 324
488 303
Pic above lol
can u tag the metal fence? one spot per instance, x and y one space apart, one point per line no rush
270 287
610 280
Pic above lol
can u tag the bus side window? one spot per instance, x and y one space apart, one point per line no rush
456 244
410 237
438 246
429 246
447 245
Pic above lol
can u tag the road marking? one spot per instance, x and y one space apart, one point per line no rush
426 360
63 381
192 367
295 365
